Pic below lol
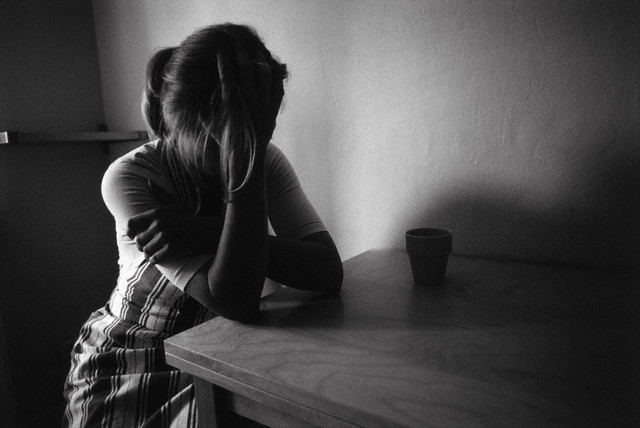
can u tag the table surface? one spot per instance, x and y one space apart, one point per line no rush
502 344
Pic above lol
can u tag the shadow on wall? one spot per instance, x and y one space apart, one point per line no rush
589 218
58 264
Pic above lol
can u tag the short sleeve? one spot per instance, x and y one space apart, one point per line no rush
290 213
126 192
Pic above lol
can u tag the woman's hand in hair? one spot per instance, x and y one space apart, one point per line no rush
261 95
171 230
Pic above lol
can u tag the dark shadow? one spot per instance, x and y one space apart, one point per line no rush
58 260
596 225
300 309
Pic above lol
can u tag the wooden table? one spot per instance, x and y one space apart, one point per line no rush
500 344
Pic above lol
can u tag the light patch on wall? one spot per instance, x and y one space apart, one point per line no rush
503 120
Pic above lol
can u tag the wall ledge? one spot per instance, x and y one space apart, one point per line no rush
10 137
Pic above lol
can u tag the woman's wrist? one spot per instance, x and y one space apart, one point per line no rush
247 182
242 167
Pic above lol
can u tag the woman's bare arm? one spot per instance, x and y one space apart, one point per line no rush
312 263
309 263
231 285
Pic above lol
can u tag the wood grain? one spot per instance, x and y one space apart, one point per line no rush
499 344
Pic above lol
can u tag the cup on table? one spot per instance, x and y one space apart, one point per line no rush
428 250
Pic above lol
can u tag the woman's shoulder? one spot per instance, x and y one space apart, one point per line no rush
145 157
125 185
281 177
148 154
140 164
276 159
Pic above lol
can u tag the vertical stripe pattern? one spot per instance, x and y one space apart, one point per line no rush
118 375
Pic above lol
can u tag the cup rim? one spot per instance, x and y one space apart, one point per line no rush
428 232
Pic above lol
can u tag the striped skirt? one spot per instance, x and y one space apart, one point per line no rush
118 376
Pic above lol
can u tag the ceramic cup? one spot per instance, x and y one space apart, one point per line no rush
428 250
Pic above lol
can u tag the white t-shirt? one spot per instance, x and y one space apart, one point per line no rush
126 192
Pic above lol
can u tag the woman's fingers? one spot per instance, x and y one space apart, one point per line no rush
143 221
225 70
254 80
140 222
159 255
254 77
143 238
245 69
153 247
264 76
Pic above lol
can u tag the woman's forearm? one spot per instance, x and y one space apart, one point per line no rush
309 264
237 274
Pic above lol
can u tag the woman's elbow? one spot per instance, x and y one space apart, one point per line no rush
242 316
235 311
335 278
237 307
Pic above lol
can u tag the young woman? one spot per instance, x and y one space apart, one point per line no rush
191 212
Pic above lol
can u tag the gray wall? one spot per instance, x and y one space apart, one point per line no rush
515 123
57 249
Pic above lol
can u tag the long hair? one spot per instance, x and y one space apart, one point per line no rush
200 127
157 128
151 104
